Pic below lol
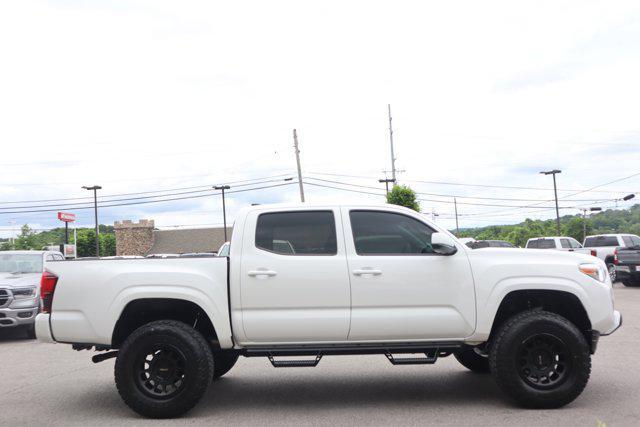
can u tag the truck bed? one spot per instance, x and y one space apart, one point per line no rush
91 294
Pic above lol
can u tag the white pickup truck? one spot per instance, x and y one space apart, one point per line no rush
349 280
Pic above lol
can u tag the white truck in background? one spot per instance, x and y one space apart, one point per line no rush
604 246
348 280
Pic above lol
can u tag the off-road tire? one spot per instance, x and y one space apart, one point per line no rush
223 361
196 368
472 360
508 363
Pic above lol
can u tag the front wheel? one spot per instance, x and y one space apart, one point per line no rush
163 369
540 359
31 331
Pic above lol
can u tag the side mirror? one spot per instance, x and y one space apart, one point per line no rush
443 244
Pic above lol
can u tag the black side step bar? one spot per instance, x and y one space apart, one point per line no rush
308 363
429 359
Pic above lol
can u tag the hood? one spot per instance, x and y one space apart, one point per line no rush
534 254
8 280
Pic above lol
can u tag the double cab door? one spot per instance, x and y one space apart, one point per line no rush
350 275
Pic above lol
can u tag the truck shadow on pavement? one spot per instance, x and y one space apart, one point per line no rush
298 395
9 335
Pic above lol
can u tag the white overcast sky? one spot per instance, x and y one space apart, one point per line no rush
150 95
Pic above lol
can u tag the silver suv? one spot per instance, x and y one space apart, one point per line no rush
20 273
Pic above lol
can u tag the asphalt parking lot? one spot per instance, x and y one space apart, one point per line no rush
52 384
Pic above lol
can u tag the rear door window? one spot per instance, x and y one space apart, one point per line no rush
297 233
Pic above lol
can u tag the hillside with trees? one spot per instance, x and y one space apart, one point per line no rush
30 239
609 221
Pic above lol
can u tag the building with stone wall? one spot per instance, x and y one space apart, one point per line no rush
142 238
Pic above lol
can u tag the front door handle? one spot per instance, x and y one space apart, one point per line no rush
254 273
373 272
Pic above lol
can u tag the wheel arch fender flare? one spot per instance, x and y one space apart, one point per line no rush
218 316
487 313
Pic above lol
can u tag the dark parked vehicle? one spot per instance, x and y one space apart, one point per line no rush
627 262
489 244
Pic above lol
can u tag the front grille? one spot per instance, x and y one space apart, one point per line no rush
4 297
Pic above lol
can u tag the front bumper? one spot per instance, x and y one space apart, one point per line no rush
617 322
12 317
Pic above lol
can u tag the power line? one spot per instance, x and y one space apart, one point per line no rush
461 196
466 184
208 186
148 201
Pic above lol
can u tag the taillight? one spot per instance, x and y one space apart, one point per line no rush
594 252
48 284
615 256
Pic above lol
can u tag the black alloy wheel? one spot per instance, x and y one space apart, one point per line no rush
544 361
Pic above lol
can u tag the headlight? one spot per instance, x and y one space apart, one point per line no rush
593 270
22 293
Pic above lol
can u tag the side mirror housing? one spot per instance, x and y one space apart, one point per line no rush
443 244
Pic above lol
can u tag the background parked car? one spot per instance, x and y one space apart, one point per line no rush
560 243
20 273
604 246
478 244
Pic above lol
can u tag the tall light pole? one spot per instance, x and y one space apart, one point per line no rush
224 208
95 189
555 192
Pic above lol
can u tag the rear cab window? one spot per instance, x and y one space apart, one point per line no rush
297 233
600 241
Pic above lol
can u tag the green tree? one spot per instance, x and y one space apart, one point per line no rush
27 239
107 244
403 196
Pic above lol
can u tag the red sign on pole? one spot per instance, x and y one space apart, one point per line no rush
66 217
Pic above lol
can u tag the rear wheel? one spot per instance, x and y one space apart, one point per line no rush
472 360
540 359
163 369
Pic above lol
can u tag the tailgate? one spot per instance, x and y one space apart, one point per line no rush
628 256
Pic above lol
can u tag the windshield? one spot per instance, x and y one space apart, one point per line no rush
20 263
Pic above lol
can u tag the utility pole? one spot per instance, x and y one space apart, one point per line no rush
224 209
295 145
584 220
393 157
95 189
555 192
455 207
386 183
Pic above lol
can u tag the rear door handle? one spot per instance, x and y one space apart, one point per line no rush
373 272
254 273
